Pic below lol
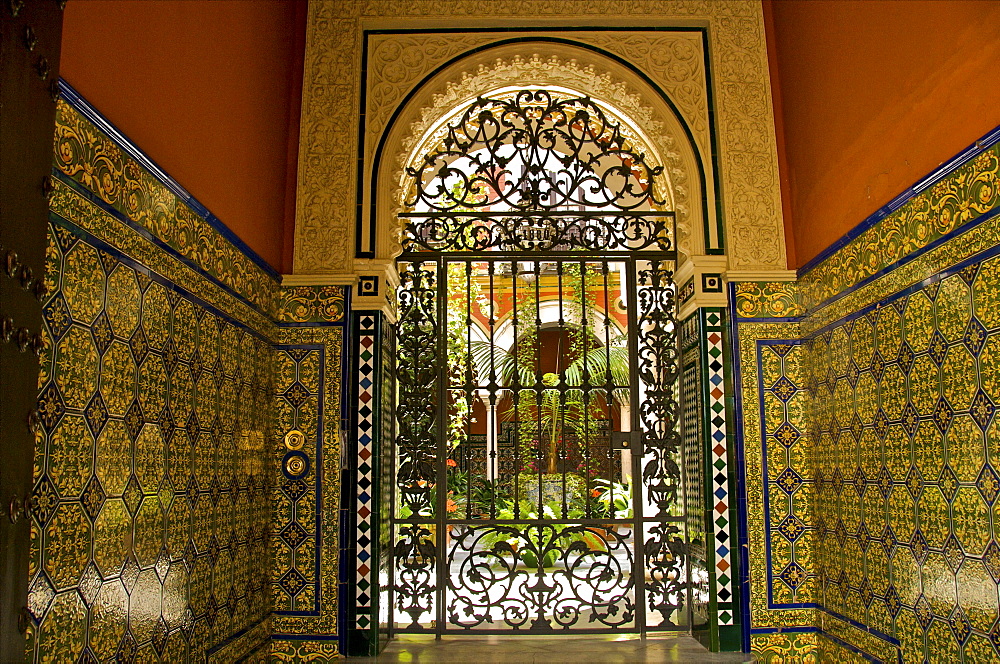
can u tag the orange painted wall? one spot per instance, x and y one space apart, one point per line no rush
875 95
210 91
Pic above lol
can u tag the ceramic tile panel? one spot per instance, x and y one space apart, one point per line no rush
311 304
787 646
151 479
788 489
905 456
367 416
767 300
883 352
164 490
709 471
298 495
306 649
718 456
371 474
151 485
778 587
309 373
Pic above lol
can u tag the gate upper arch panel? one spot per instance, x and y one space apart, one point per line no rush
536 170
665 137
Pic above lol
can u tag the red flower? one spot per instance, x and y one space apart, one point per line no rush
451 463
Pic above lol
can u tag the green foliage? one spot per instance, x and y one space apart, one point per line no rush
560 407
464 297
530 539
614 499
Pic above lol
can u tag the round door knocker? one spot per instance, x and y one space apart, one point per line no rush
295 439
295 465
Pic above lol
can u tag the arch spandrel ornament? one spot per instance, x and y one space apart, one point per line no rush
744 127
674 60
650 122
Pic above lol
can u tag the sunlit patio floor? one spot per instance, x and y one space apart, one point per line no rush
412 649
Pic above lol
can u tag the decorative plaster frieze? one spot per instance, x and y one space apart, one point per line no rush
326 202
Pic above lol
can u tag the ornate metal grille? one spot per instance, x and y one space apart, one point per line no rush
537 314
536 172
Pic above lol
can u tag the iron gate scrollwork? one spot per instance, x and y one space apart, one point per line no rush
537 302
536 172
661 473
416 440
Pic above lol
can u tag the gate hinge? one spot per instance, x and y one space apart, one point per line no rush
627 440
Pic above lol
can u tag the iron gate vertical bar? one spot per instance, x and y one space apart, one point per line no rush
441 494
609 386
585 386
516 378
491 406
470 393
632 292
538 381
562 396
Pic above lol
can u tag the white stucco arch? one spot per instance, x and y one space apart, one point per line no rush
548 313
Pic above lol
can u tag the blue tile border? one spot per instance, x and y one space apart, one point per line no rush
87 110
766 480
972 225
96 200
940 275
103 246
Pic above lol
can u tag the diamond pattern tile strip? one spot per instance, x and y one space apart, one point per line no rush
365 476
720 464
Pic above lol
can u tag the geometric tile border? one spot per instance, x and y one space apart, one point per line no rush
365 477
719 459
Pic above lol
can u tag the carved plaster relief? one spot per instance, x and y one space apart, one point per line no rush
326 202
652 130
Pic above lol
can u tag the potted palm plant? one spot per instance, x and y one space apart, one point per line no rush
564 405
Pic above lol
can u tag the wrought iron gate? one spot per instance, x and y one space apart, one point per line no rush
537 371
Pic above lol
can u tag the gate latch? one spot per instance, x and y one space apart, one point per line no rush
626 440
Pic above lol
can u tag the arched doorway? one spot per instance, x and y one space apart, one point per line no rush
571 516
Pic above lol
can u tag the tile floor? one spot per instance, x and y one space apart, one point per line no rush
545 650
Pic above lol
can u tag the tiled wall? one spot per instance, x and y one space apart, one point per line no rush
870 437
779 589
175 366
152 486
